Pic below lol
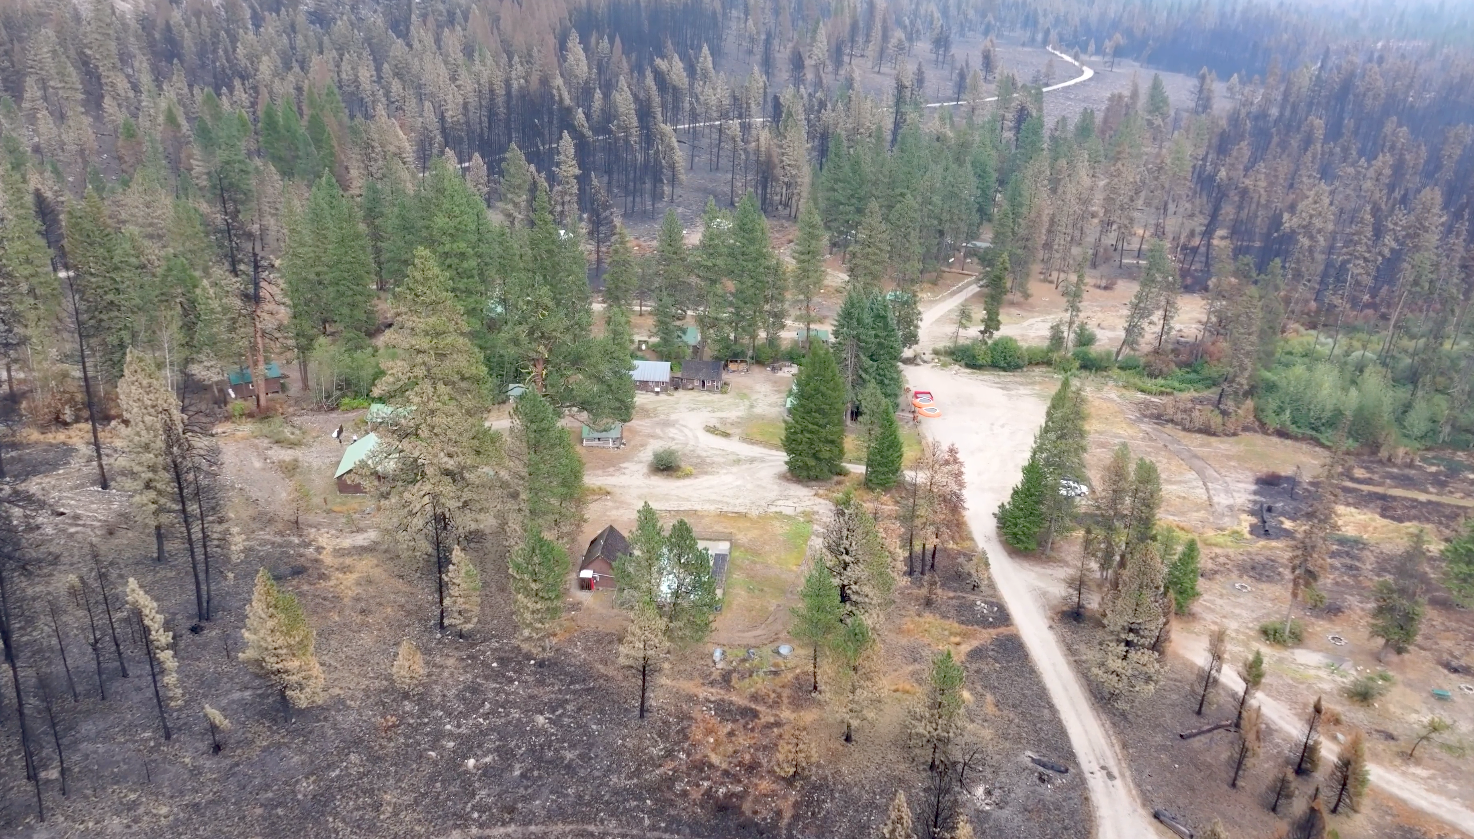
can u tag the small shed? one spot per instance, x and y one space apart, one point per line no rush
691 337
597 569
651 375
607 438
820 335
700 375
382 414
352 456
238 384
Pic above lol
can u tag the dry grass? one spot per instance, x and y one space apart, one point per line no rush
1373 528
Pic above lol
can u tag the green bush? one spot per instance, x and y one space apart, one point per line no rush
666 460
354 403
1006 354
1129 363
1093 362
1364 690
1084 336
1038 355
972 355
1274 633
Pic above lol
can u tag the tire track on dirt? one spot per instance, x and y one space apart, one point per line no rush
1220 492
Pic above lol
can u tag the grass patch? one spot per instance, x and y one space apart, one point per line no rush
936 631
1230 539
279 431
1274 632
767 552
1364 690
764 432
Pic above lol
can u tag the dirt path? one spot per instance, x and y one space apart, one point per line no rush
1220 491
1410 791
993 425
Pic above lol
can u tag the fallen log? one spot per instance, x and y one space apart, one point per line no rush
1188 735
1058 769
1173 824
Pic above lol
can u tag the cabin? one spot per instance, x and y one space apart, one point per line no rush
382 414
605 438
651 376
238 384
596 572
700 375
348 483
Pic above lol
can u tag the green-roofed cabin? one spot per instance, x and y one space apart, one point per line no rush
348 483
608 438
691 337
820 335
239 386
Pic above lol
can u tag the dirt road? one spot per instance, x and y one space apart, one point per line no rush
1410 791
993 426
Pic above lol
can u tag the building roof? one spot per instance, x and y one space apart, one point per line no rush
819 335
610 545
613 432
651 371
710 371
691 335
242 376
381 413
355 453
515 390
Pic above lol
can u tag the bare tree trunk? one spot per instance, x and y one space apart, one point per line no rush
108 608
153 673
62 648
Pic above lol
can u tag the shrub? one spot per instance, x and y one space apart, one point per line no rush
1006 354
1274 633
238 410
1056 337
1084 336
1131 363
666 460
1093 362
1159 365
353 403
973 356
1364 690
1038 355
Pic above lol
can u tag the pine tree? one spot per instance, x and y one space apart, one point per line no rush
516 187
619 291
883 455
855 651
218 726
1217 646
279 644
433 458
939 715
1247 745
1397 616
898 820
153 426
565 192
688 595
881 343
1252 675
644 646
1458 565
537 570
870 255
816 619
813 437
1182 577
1143 304
1134 614
408 669
1021 518
639 575
1350 776
997 285
858 561
1308 762
329 268
462 592
158 642
1310 554
808 264
550 468
1061 446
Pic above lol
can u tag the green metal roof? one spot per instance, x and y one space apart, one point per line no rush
242 376
613 432
355 453
819 335
691 335
380 413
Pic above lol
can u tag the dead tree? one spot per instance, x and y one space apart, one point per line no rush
12 659
48 705
107 607
62 648
79 590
